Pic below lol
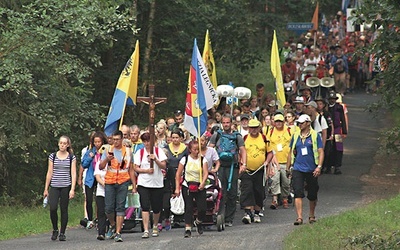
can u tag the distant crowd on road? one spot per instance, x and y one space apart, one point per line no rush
251 149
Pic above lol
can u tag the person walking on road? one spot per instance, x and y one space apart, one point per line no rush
192 172
279 139
252 180
61 177
306 158
117 160
340 131
150 183
232 155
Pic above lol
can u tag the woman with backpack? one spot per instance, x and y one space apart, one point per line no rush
193 169
89 160
150 182
61 177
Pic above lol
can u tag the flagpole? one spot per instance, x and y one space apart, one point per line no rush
123 112
198 138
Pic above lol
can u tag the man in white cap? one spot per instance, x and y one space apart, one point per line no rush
252 180
340 131
299 106
305 158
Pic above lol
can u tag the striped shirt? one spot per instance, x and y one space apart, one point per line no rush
61 171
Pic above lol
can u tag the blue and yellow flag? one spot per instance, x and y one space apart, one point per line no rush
200 97
277 73
125 93
209 62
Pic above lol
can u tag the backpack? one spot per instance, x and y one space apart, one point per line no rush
142 153
272 130
70 161
227 148
263 136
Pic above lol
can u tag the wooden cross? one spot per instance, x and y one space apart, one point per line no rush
152 102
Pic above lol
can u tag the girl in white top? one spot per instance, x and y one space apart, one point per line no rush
100 194
150 182
210 154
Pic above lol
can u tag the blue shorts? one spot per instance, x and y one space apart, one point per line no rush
115 198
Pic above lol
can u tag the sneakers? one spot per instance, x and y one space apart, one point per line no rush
274 205
118 238
257 218
101 237
199 226
246 219
145 235
187 234
111 233
159 226
167 225
89 225
54 235
229 224
155 232
285 203
62 237
83 222
261 213
337 171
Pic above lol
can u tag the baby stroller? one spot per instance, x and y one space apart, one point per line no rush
214 197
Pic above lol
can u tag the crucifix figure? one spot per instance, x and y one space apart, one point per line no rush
152 102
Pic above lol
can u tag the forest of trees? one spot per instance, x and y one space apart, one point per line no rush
60 62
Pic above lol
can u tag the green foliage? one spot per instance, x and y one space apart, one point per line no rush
47 55
26 221
384 17
372 227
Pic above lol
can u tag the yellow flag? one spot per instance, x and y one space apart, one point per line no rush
208 59
277 73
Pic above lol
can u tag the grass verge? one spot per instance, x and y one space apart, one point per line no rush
25 221
375 226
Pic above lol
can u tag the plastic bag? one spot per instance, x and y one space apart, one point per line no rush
177 205
133 200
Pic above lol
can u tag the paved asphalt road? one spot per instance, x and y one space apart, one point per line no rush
337 194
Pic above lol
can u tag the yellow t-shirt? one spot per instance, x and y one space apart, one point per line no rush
279 142
255 149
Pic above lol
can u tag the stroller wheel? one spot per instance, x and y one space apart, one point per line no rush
220 224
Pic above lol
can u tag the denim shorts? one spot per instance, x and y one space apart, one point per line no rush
115 198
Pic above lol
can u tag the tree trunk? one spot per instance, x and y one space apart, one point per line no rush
148 47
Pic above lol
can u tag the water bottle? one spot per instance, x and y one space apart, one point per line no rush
45 201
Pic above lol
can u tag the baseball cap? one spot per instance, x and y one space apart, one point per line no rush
303 118
279 117
332 95
244 116
254 123
312 104
299 99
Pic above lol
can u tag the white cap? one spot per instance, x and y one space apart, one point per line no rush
303 118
